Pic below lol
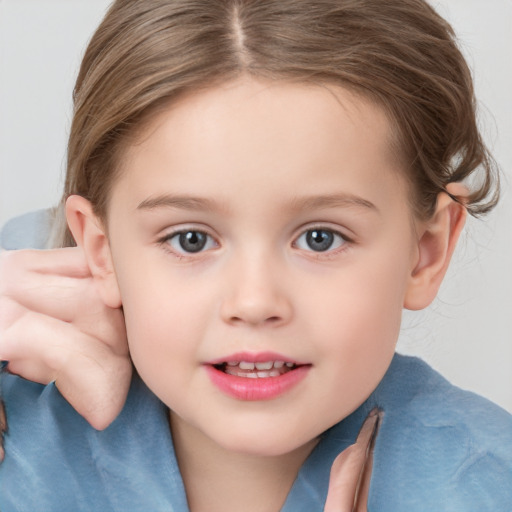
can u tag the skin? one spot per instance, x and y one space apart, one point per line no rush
268 159
54 327
349 483
256 288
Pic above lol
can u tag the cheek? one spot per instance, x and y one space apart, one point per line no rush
366 296
361 328
360 320
165 322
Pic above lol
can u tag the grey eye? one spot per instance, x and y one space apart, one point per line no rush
191 241
319 240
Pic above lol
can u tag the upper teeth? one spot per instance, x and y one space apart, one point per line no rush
267 365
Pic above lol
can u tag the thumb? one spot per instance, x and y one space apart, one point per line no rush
351 471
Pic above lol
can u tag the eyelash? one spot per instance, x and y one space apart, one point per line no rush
180 253
342 242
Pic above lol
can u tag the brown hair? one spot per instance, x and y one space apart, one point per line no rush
399 53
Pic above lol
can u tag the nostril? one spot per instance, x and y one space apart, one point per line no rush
240 320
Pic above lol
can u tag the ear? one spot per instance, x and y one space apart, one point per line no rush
90 234
438 238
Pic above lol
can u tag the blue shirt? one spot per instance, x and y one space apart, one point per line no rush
439 448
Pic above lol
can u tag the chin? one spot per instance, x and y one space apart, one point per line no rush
266 444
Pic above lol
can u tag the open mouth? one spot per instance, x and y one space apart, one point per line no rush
252 370
252 377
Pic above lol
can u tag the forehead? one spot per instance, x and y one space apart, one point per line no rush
230 139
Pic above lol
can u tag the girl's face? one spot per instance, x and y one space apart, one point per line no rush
263 247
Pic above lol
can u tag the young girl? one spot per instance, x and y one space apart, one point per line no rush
256 190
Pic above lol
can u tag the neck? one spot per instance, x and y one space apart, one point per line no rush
219 480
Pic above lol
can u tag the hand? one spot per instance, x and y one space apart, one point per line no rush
55 328
352 469
3 427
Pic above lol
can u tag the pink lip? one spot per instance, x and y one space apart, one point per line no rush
247 389
259 357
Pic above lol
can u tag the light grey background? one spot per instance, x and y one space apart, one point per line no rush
466 334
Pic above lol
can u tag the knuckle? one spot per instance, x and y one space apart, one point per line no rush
6 264
10 313
13 259
14 265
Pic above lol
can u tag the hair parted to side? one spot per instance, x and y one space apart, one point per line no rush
399 54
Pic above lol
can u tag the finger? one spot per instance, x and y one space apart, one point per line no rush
49 292
39 347
69 261
36 346
67 299
363 490
107 325
3 429
93 318
93 378
361 502
98 392
351 470
10 312
53 296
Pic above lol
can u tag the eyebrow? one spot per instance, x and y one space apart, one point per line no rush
191 203
180 202
333 201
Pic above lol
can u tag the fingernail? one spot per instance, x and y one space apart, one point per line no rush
376 411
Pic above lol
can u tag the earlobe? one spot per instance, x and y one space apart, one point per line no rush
89 233
436 245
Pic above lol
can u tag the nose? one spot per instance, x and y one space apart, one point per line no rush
256 294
